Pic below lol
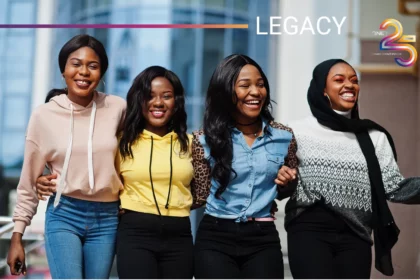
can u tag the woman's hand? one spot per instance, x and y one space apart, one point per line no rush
16 255
273 209
45 187
285 175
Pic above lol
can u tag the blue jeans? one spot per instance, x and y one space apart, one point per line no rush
80 237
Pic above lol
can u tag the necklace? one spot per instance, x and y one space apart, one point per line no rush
255 134
252 133
248 124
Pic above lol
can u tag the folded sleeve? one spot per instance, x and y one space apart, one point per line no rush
27 200
397 188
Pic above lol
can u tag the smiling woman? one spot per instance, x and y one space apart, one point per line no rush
155 165
74 134
236 158
347 172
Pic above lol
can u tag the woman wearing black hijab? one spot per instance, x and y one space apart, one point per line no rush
347 172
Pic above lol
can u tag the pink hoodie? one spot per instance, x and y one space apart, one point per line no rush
77 143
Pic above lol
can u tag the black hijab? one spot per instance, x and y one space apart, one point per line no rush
384 228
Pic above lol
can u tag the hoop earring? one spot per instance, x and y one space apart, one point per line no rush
65 85
329 100
103 82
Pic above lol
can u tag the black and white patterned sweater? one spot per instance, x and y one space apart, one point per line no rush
333 169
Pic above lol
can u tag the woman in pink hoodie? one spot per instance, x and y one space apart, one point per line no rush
75 136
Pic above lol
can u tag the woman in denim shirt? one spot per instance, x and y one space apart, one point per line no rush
236 158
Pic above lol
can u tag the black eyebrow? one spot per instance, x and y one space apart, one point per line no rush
344 76
93 61
246 80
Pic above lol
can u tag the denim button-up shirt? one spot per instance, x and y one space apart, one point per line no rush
252 190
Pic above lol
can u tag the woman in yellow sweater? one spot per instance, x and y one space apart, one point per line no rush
154 235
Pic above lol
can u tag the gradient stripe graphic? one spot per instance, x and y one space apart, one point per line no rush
208 26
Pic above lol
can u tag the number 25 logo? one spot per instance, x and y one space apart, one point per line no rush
398 42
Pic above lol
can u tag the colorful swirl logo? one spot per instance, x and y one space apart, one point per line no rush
396 41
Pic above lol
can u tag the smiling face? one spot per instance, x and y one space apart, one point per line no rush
250 94
82 75
159 110
342 87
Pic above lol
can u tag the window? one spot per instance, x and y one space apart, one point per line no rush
21 12
19 46
15 113
212 54
16 70
185 3
241 5
124 62
215 3
12 149
261 50
183 15
21 85
183 57
102 3
122 74
240 41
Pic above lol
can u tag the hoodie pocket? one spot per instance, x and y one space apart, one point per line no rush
180 197
143 196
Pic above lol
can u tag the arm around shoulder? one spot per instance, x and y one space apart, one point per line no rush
201 182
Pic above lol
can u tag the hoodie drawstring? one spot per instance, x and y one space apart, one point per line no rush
66 162
150 175
90 145
63 183
170 178
151 179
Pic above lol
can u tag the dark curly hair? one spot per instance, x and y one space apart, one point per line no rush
138 96
218 120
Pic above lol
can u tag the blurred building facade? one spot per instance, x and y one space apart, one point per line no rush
191 53
29 57
16 80
29 68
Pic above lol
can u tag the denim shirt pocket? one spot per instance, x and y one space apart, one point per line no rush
273 164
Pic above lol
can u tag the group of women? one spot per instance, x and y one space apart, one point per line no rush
124 177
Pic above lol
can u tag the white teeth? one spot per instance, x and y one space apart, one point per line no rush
253 102
82 82
158 114
348 96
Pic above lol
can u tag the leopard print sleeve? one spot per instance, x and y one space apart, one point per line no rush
291 159
201 182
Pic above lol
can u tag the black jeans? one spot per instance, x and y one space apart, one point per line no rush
321 245
226 249
149 246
